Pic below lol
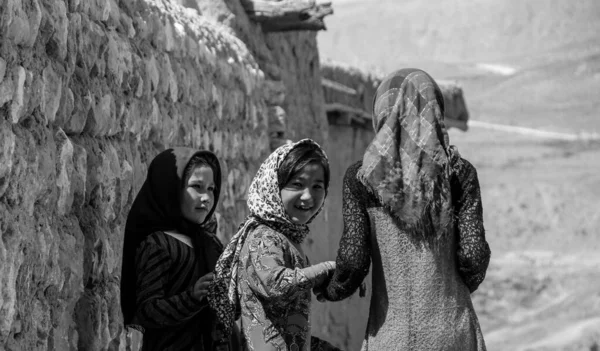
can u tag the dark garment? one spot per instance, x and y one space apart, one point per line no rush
167 270
473 250
156 208
420 297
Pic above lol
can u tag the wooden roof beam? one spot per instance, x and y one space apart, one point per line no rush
288 15
328 83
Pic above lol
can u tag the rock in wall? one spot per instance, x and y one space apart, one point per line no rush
297 56
90 92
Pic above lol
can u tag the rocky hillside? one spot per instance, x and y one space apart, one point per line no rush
389 32
539 59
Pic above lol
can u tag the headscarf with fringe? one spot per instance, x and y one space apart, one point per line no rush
408 163
266 207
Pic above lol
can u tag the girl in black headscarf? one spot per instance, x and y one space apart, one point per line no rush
170 250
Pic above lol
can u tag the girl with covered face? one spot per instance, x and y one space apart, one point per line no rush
170 250
412 206
263 274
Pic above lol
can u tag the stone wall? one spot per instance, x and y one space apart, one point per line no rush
90 92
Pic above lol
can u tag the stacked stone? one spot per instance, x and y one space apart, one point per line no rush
296 56
90 92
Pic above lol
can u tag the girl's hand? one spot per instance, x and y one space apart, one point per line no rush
201 287
326 271
319 294
328 267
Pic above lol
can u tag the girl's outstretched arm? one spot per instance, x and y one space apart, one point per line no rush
473 250
268 275
354 254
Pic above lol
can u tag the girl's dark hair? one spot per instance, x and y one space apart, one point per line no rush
195 162
299 157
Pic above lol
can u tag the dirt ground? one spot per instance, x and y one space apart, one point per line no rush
541 203
542 213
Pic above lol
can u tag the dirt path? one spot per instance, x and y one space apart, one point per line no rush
541 300
542 218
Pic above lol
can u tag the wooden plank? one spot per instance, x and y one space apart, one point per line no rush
276 8
347 109
287 15
328 83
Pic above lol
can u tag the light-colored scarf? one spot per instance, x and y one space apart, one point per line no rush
407 165
266 207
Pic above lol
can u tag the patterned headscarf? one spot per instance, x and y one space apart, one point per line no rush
407 165
266 207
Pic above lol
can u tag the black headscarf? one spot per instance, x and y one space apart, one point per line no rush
157 208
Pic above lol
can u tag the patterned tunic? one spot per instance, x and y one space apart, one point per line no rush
173 319
274 286
263 273
420 298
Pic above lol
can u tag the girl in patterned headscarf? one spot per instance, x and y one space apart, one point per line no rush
413 207
263 274
170 250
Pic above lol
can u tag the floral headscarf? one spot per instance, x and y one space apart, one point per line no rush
266 207
407 165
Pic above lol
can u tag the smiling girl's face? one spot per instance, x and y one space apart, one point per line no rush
198 195
304 193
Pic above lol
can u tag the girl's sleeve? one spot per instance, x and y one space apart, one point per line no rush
154 309
268 275
473 250
354 254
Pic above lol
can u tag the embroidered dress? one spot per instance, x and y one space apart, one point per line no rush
274 287
159 270
425 261
264 276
